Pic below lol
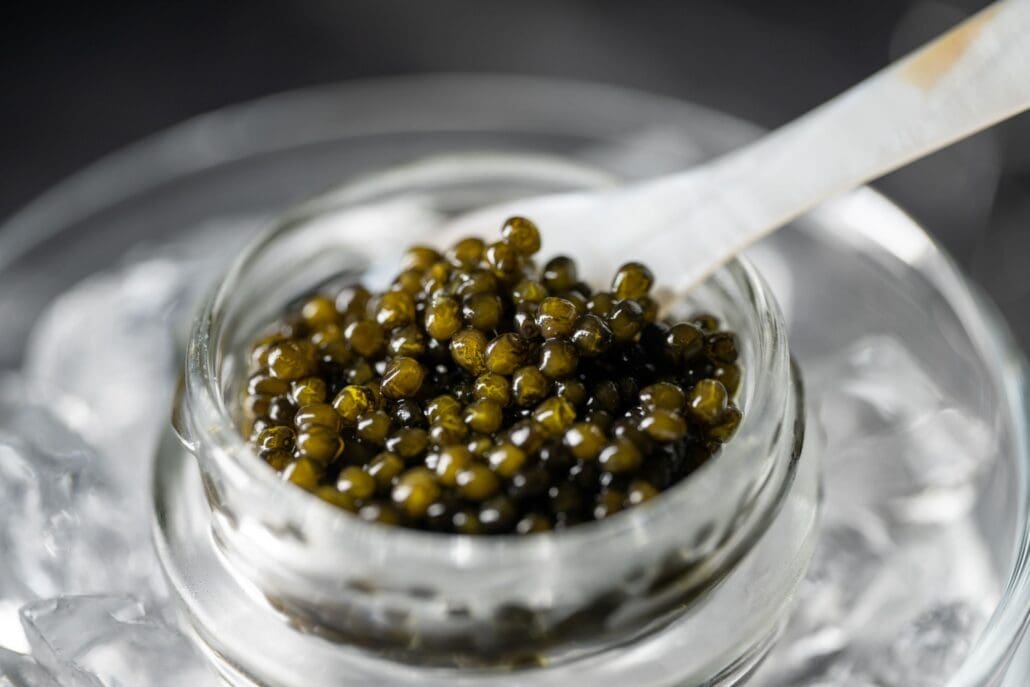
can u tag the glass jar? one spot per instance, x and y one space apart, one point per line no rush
691 588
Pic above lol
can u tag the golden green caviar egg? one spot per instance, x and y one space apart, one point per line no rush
402 378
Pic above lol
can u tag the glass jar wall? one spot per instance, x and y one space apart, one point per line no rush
400 599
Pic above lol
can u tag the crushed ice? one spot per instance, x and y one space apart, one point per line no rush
110 641
78 425
81 600
900 581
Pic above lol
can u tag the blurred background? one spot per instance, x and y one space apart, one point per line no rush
84 80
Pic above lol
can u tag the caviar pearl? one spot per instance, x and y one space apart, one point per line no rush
402 378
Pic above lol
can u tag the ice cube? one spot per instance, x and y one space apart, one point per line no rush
64 528
75 476
105 355
111 641
834 670
872 386
871 581
893 438
848 558
927 651
841 674
19 670
102 356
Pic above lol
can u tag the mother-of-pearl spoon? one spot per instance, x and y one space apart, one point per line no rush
971 77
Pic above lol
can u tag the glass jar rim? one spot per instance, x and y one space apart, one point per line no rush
204 395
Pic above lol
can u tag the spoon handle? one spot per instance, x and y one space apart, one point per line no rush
973 76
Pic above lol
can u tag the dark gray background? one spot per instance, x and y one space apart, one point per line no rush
83 80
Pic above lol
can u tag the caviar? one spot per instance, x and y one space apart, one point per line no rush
479 394
402 378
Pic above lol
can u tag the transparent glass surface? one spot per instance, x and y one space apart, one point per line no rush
657 577
920 569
